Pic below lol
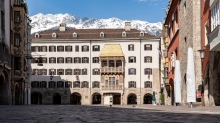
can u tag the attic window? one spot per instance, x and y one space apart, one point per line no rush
37 35
124 34
54 35
141 33
102 34
74 35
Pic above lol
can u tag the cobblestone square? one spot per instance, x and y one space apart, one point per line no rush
106 114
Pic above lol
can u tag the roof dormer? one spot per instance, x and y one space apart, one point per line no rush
37 35
74 35
141 33
124 34
54 35
102 35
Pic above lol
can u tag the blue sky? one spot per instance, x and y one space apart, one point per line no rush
145 10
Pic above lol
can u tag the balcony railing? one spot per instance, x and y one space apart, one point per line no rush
112 69
119 87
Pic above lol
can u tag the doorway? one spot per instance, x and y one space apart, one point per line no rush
36 98
96 98
132 99
75 99
57 99
147 99
117 99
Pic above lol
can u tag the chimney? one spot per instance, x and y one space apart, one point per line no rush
63 27
127 26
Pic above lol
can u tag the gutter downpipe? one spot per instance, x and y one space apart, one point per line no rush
140 72
90 73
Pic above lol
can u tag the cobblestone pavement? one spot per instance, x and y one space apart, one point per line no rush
106 114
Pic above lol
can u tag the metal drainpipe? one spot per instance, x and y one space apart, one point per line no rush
90 68
140 72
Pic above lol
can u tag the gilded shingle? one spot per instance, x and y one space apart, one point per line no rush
111 50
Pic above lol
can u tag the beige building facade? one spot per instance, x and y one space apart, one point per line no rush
95 66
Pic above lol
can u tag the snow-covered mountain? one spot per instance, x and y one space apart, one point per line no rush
41 22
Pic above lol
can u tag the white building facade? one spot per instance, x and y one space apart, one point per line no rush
95 66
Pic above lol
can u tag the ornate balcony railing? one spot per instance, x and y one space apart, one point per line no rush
112 69
119 87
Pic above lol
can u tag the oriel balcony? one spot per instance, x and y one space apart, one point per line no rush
117 87
112 66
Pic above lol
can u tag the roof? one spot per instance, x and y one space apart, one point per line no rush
112 50
90 34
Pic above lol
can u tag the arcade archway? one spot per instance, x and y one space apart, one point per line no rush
132 99
147 99
36 98
96 98
75 99
56 99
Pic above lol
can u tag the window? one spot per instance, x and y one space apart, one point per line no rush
96 48
35 72
131 47
52 72
74 35
95 60
68 60
52 60
43 48
77 71
34 84
131 71
95 84
77 48
111 81
54 35
85 84
132 59
43 71
132 84
17 16
124 34
148 71
60 48
148 59
60 84
60 71
44 60
51 84
68 48
102 35
17 63
17 40
148 47
68 84
77 60
52 48
84 71
96 71
37 35
148 84
68 72
85 60
43 84
60 60
106 82
141 34
76 84
85 48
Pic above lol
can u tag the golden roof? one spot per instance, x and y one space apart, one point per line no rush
112 50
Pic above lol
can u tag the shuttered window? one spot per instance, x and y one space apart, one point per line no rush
85 59
68 60
60 71
131 47
77 48
95 60
84 71
131 71
148 84
68 48
132 59
68 72
96 48
96 71
60 48
148 47
85 48
52 48
77 60
148 59
132 84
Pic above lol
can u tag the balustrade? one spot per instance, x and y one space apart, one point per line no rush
119 87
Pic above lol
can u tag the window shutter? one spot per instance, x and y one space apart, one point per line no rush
54 48
133 47
129 59
49 60
74 60
54 60
129 71
98 48
129 47
87 59
99 71
134 59
151 47
87 48
39 48
134 71
82 48
93 59
150 84
63 59
66 48
80 60
145 48
49 48
33 48
66 59
46 59
134 84
62 48
71 60
58 61
86 71
46 48
151 71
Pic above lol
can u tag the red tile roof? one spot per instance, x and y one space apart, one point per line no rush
84 34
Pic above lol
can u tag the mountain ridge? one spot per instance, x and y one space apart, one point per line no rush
41 22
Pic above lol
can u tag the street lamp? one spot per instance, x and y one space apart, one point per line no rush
202 53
